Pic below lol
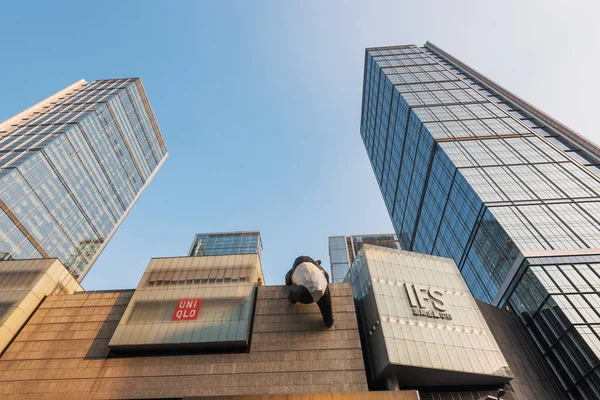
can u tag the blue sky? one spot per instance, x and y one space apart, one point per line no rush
259 103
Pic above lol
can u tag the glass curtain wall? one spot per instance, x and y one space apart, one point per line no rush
467 173
214 244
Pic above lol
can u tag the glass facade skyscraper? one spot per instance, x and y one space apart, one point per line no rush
344 249
226 243
72 167
470 171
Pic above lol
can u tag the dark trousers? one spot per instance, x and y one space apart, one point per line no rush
299 294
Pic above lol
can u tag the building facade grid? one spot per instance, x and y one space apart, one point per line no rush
222 243
72 167
343 250
467 173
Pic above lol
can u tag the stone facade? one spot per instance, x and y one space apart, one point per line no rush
533 376
62 352
23 286
420 323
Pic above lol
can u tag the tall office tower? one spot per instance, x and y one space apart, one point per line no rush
220 243
72 167
344 249
470 171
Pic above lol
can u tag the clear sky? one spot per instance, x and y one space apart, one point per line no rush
259 102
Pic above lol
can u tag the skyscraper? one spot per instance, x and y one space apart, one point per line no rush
72 167
220 243
470 171
344 249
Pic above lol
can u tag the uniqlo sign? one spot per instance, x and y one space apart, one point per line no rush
187 310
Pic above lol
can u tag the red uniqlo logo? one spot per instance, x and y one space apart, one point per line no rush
186 310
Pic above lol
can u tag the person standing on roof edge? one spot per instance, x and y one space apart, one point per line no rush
309 283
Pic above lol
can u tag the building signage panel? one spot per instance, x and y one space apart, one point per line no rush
417 311
187 310
419 296
193 302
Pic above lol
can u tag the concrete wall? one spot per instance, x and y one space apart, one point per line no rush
534 378
62 353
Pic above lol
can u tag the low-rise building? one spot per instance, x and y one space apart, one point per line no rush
205 327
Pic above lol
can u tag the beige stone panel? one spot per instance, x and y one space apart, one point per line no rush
30 303
31 281
16 319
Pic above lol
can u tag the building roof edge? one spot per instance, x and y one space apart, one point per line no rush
561 128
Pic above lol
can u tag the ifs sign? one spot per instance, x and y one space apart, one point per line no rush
419 296
186 310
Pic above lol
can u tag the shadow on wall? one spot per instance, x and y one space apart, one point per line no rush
110 319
